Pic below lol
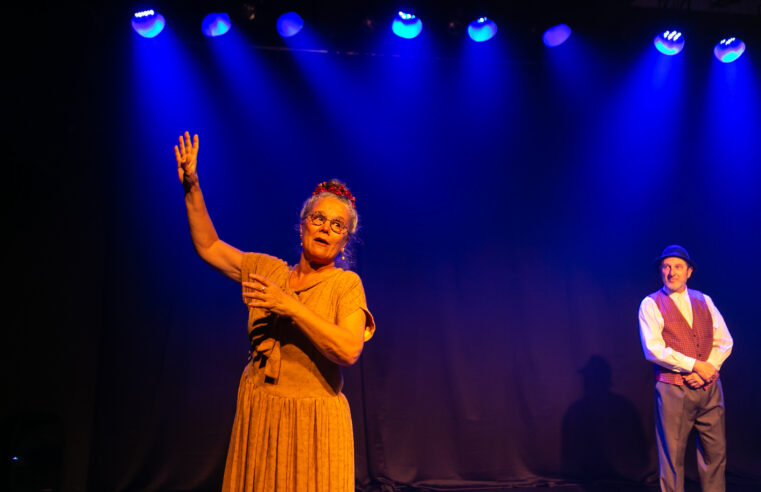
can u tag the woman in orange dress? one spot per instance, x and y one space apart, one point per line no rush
292 428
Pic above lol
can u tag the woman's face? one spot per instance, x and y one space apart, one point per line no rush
322 243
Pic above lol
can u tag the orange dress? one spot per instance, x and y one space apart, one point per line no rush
292 428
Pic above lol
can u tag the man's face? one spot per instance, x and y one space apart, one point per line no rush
674 273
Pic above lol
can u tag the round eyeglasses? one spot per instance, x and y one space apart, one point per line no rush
336 225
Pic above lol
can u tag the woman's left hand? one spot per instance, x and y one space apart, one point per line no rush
267 295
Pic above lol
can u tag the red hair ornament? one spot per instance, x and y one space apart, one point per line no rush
337 190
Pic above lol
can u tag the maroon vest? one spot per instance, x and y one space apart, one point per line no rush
693 342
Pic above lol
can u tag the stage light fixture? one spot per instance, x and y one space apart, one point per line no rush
669 42
406 25
482 29
556 35
215 24
289 24
148 23
728 50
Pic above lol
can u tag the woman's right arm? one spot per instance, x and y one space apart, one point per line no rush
221 256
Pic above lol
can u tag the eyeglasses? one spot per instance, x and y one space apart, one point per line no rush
336 225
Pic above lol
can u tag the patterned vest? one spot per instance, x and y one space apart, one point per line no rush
693 342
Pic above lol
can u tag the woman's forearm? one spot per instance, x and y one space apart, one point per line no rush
341 343
224 258
202 230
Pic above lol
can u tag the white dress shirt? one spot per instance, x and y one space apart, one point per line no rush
651 333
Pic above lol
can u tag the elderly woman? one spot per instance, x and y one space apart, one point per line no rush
292 428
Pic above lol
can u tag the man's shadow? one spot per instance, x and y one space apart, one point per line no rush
602 437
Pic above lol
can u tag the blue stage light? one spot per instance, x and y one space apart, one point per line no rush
289 24
406 25
669 42
482 29
214 24
729 49
148 23
556 35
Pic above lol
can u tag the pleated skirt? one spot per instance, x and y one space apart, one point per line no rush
289 444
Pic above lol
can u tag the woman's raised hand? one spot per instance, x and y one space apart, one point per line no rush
187 157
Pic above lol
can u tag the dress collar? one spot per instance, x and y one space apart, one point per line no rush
314 281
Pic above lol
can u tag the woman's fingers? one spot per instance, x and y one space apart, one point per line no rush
187 148
256 291
191 146
257 299
177 156
263 293
185 153
262 280
256 283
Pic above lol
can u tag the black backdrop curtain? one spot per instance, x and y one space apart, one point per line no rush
510 209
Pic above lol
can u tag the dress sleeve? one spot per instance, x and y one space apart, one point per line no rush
274 269
351 299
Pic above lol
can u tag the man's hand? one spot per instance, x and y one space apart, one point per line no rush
706 371
694 380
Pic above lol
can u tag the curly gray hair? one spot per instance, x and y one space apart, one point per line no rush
353 217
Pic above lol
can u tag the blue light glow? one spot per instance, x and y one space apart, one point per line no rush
148 23
556 35
482 29
289 24
406 25
214 24
669 43
728 50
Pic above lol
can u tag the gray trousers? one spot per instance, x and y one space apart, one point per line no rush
679 409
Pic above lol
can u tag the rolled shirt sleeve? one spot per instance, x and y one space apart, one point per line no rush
722 340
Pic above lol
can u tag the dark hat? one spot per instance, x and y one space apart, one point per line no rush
674 251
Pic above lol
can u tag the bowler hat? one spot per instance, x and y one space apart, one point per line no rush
675 251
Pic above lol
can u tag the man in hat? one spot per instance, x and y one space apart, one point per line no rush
686 338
